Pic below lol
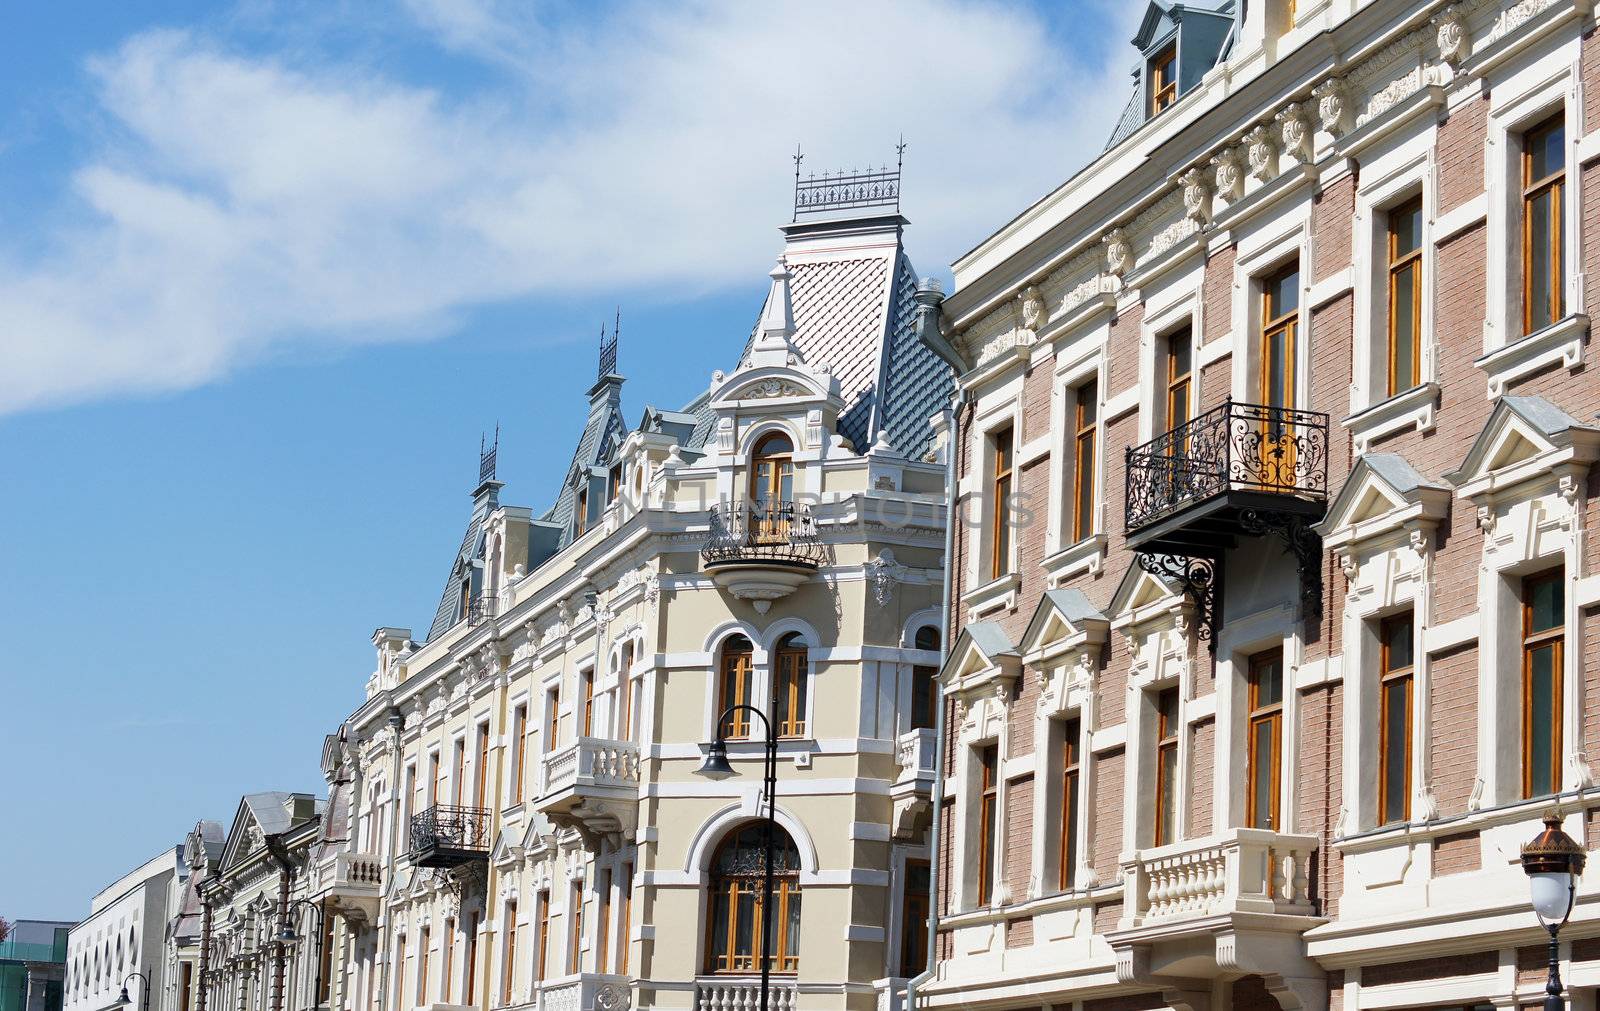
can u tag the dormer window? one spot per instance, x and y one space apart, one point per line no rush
613 482
580 520
1164 78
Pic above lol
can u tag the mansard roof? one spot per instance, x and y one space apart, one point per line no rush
1204 32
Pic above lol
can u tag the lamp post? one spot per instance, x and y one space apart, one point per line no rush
123 1000
288 936
716 767
1553 862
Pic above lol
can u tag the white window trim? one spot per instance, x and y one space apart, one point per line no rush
1266 253
1005 412
1184 309
1240 639
1065 558
1073 699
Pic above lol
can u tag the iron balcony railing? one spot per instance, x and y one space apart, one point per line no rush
450 827
779 534
1233 447
479 610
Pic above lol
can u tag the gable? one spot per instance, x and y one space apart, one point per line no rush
1525 439
1063 619
1382 494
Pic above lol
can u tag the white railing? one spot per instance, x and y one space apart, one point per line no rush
592 762
589 991
349 872
743 995
914 753
1242 870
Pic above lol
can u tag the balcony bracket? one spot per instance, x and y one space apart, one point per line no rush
1201 579
1300 540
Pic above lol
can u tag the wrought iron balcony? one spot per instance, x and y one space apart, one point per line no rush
1184 486
592 785
479 610
1238 470
448 836
763 552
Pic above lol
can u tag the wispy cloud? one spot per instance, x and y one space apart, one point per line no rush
244 203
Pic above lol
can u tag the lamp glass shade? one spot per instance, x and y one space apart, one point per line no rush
122 998
1552 895
288 936
716 766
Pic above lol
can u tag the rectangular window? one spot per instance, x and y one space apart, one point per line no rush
586 683
625 694
447 978
185 985
411 797
508 986
552 718
1166 766
1544 176
575 922
424 995
625 924
542 949
1543 655
789 691
613 482
435 779
470 942
1396 668
1264 740
1085 414
1405 296
519 751
914 919
400 960
988 811
1280 319
481 771
458 770
736 688
1180 376
1070 770
924 697
1000 500
1164 79
580 514
325 961
602 948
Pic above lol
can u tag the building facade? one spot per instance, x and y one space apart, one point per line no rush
33 960
1275 590
524 825
125 934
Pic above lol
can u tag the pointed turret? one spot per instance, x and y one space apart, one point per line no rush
774 344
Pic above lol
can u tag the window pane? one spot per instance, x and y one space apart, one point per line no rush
1397 642
1405 224
1269 681
1088 403
1547 150
744 933
1547 601
1178 408
1540 279
1083 524
1180 349
1283 293
1402 325
791 940
1541 722
1069 830
1261 781
1396 734
1169 793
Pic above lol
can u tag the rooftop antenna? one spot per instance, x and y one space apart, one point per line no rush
486 458
608 347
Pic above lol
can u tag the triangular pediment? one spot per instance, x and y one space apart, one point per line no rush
1063 619
1525 439
1141 590
981 649
244 837
1382 493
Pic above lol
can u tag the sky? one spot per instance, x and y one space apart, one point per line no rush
269 269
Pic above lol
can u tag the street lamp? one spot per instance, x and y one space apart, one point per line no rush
1553 862
716 767
287 936
123 1000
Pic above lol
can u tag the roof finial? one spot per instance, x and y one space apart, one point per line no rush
486 458
773 345
608 347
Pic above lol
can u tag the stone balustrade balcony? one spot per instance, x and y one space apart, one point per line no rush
587 991
739 993
912 790
592 785
351 884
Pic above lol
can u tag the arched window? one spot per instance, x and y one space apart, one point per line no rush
772 471
925 682
789 687
734 685
733 940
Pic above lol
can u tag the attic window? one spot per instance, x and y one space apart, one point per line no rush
614 482
1164 78
580 521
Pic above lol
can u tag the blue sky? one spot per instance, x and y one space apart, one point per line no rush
268 269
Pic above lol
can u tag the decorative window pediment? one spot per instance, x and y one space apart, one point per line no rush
1156 619
1384 496
1526 440
1064 622
982 655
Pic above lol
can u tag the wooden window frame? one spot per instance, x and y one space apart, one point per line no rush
988 814
602 950
1003 444
1086 428
625 692
625 924
735 681
447 968
469 959
400 974
458 770
508 977
1533 641
727 888
914 907
519 752
1553 184
1164 90
791 669
481 773
1270 713
1179 381
1167 724
580 512
1392 678
769 468
552 718
424 942
1274 323
1399 264
542 948
1071 802
575 929
586 686
435 772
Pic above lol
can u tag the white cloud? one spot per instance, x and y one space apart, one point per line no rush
243 204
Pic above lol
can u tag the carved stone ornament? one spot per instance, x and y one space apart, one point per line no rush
1261 146
1349 566
1486 519
1425 804
883 572
1333 105
1034 312
1228 172
1450 28
1119 252
768 389
1294 131
1196 195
